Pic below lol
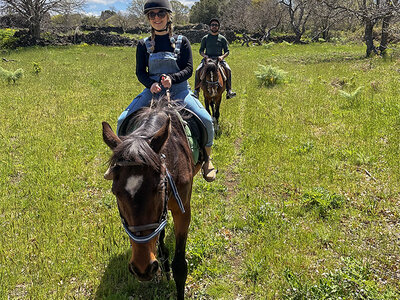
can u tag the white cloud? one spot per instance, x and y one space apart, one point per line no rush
188 2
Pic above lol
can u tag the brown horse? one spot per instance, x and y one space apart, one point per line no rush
213 83
153 172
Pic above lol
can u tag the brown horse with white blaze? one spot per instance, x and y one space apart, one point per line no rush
153 172
213 83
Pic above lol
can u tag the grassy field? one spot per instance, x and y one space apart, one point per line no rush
306 204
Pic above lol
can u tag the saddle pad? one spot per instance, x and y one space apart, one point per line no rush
193 143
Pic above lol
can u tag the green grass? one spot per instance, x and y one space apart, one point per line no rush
306 203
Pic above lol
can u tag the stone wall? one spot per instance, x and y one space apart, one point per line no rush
110 36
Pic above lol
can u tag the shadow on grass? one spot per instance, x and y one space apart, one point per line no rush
118 283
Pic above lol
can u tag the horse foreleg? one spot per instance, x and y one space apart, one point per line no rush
163 253
213 113
217 104
207 105
179 264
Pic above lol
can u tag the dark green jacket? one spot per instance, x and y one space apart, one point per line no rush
214 45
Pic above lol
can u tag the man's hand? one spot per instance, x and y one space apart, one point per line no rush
155 88
166 81
220 58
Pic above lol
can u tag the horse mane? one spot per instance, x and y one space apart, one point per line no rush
148 120
211 65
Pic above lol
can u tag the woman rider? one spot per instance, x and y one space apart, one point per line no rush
171 55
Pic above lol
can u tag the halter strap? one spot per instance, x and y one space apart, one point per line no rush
147 238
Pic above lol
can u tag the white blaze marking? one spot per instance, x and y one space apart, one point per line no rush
132 184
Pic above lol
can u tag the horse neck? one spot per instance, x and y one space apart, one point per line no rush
177 149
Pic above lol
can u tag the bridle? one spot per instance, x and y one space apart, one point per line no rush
212 84
134 232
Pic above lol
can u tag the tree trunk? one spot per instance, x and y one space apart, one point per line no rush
298 38
297 32
34 29
369 39
385 35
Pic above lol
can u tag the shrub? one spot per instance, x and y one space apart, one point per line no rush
352 97
323 200
270 76
7 38
36 68
10 76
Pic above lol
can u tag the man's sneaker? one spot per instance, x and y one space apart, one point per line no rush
230 94
196 93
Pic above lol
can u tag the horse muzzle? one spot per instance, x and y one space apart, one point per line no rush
148 274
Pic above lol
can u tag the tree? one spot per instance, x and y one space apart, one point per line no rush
266 15
106 14
135 10
324 19
204 10
119 19
370 12
181 12
66 21
90 21
34 11
299 12
393 7
236 15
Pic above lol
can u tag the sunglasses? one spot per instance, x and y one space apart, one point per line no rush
161 14
214 25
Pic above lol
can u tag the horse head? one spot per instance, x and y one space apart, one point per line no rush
211 78
139 185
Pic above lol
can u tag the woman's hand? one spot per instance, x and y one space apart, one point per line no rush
155 88
166 81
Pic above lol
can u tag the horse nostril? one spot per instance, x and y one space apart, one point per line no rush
154 267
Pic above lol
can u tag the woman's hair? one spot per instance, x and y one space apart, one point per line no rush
170 29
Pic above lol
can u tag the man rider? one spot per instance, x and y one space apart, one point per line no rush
212 46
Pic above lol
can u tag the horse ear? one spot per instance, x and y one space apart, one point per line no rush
109 137
161 136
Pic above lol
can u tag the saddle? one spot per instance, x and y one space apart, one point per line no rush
194 128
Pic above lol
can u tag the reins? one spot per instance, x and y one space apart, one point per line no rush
167 94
